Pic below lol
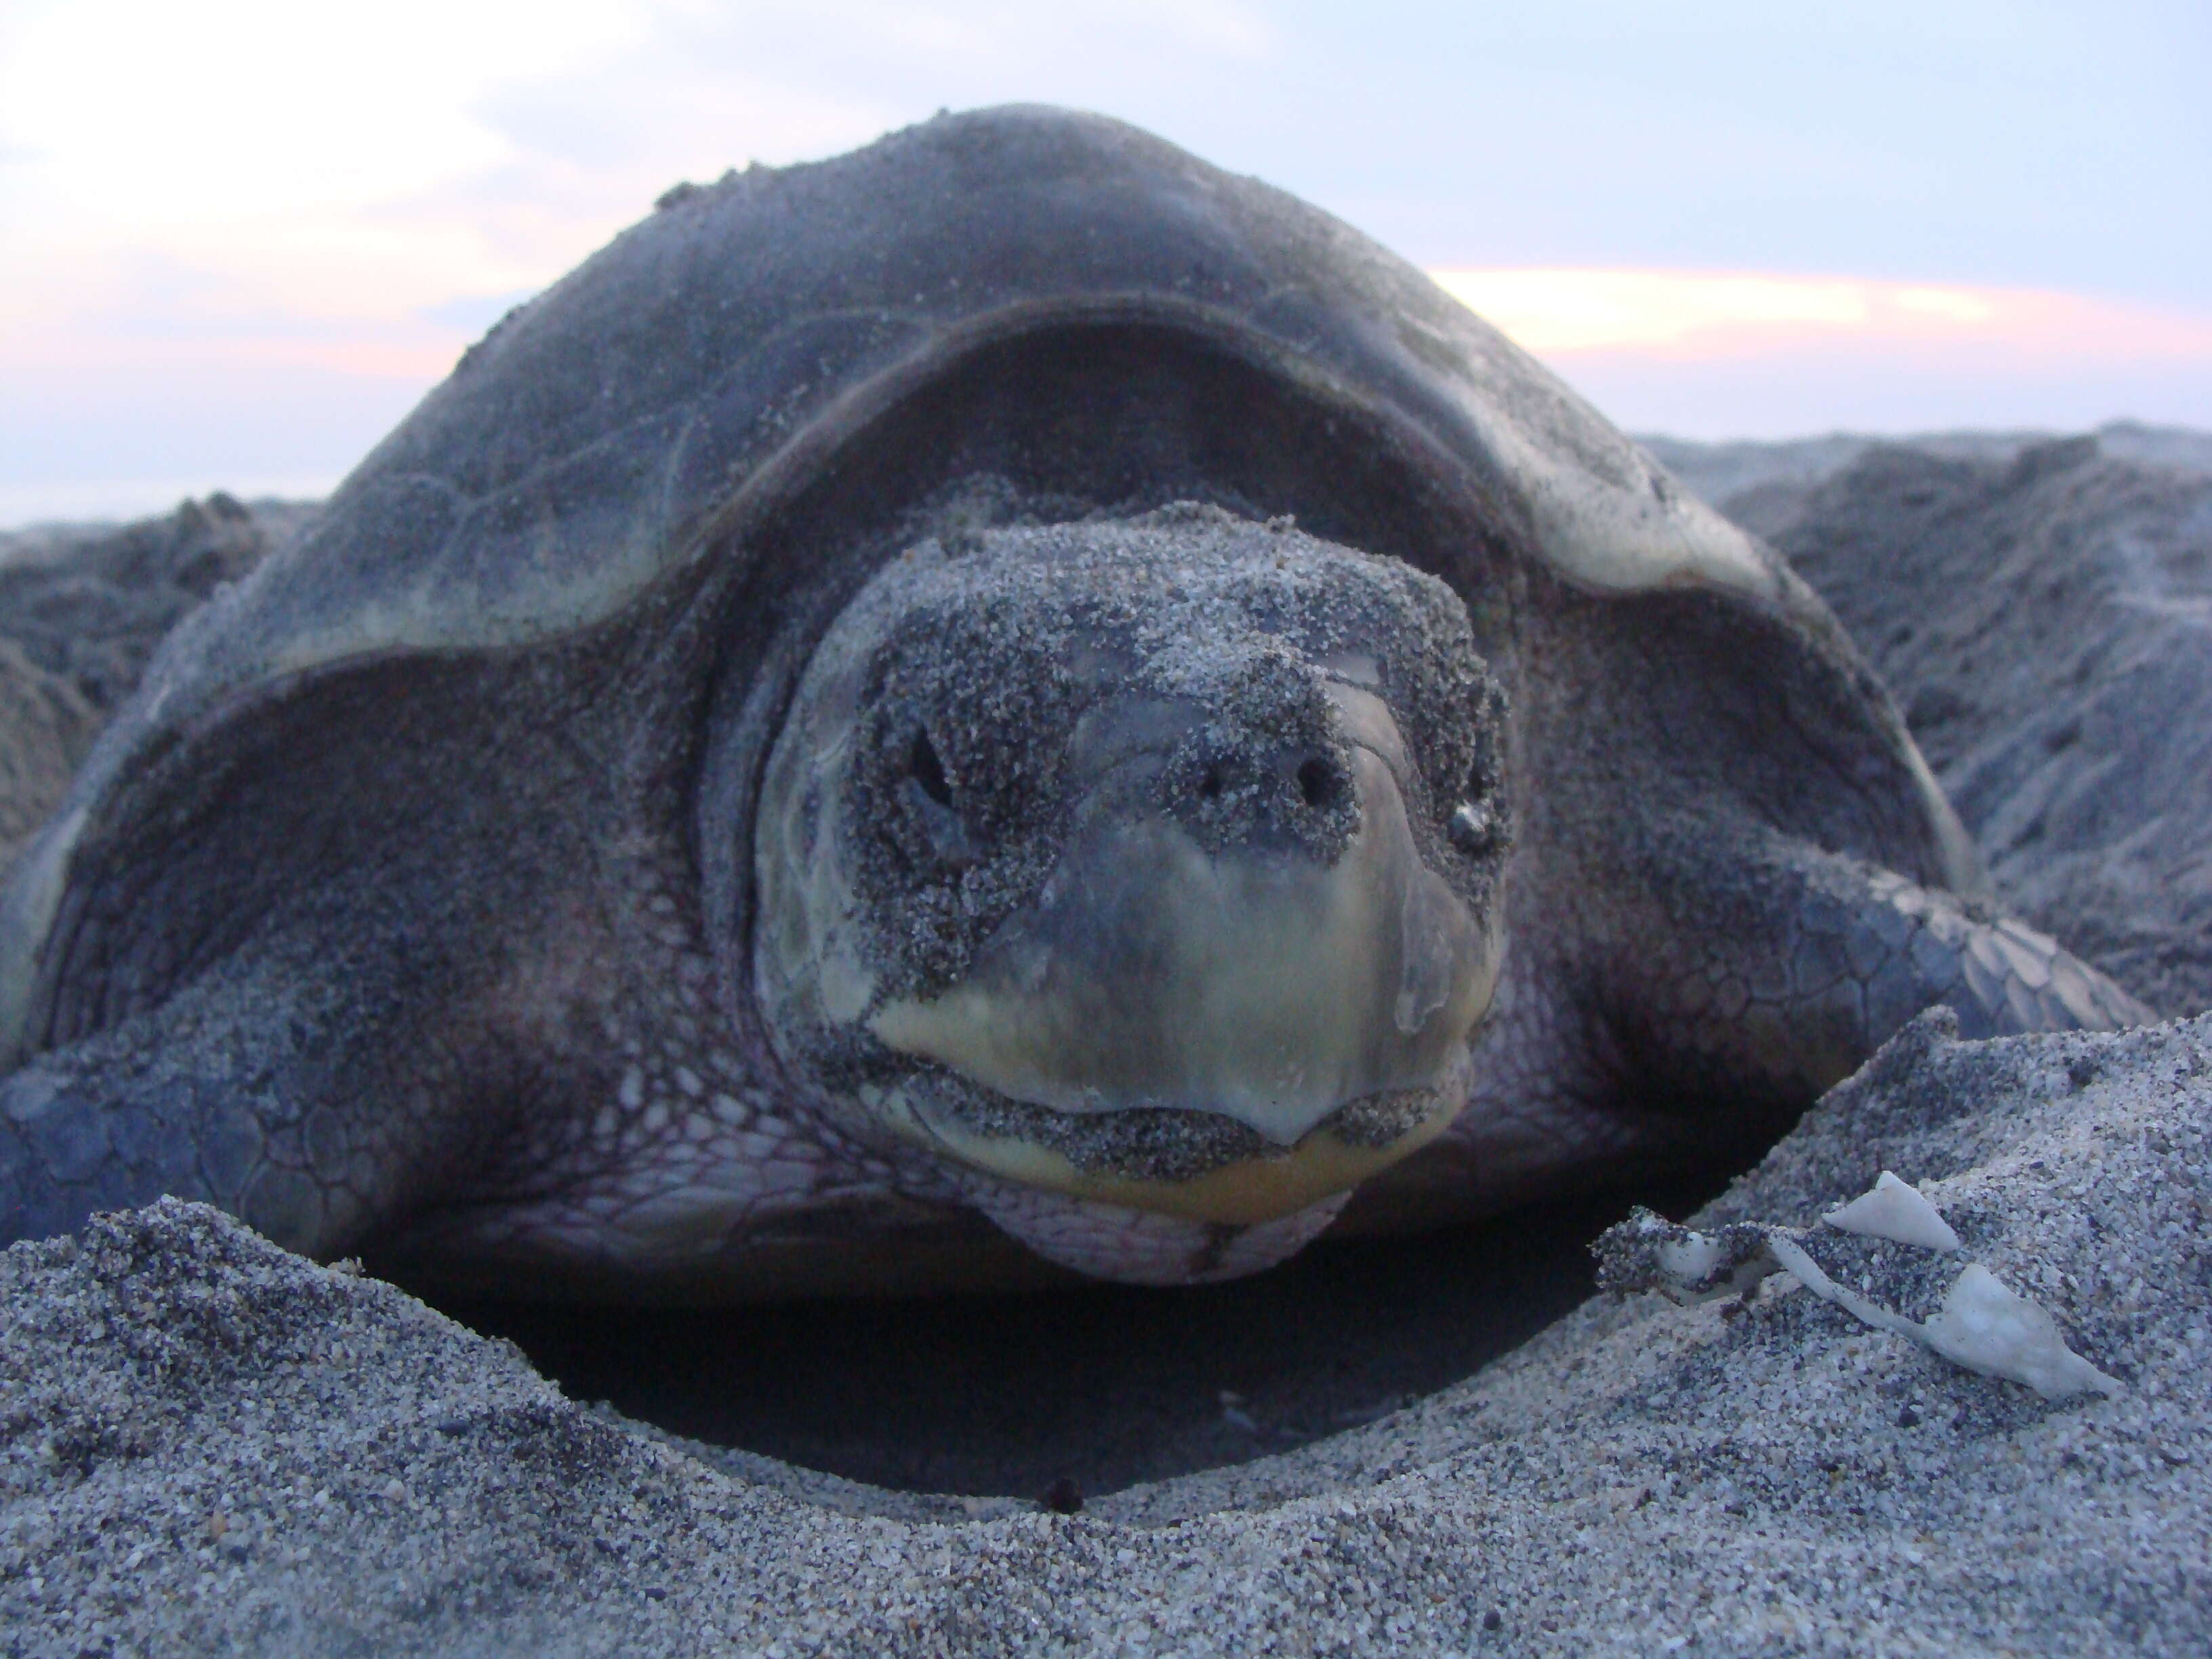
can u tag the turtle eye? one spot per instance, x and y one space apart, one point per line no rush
923 767
951 845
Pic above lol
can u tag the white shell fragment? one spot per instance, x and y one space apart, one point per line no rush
1988 1328
1895 1210
1982 1325
1689 1262
1684 1264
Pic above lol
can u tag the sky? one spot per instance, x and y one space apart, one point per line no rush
239 239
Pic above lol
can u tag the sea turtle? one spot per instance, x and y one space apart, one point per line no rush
1007 686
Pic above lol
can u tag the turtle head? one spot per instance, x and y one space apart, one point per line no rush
1152 862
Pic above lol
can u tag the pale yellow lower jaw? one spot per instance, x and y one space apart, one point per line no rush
1261 987
1241 1195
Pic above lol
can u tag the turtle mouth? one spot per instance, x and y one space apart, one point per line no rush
1170 1160
1227 1036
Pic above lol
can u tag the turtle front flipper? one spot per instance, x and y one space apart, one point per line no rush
306 966
258 1088
1756 966
1721 980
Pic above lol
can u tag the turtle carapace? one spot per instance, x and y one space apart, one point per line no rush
1007 699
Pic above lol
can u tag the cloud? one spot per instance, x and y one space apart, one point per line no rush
147 115
365 171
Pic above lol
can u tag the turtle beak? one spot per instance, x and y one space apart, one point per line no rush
1273 978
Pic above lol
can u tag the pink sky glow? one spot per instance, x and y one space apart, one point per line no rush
238 239
1691 316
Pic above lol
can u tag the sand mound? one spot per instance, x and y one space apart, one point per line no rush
214 1446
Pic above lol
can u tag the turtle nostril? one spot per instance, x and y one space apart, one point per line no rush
1318 783
1209 787
927 770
